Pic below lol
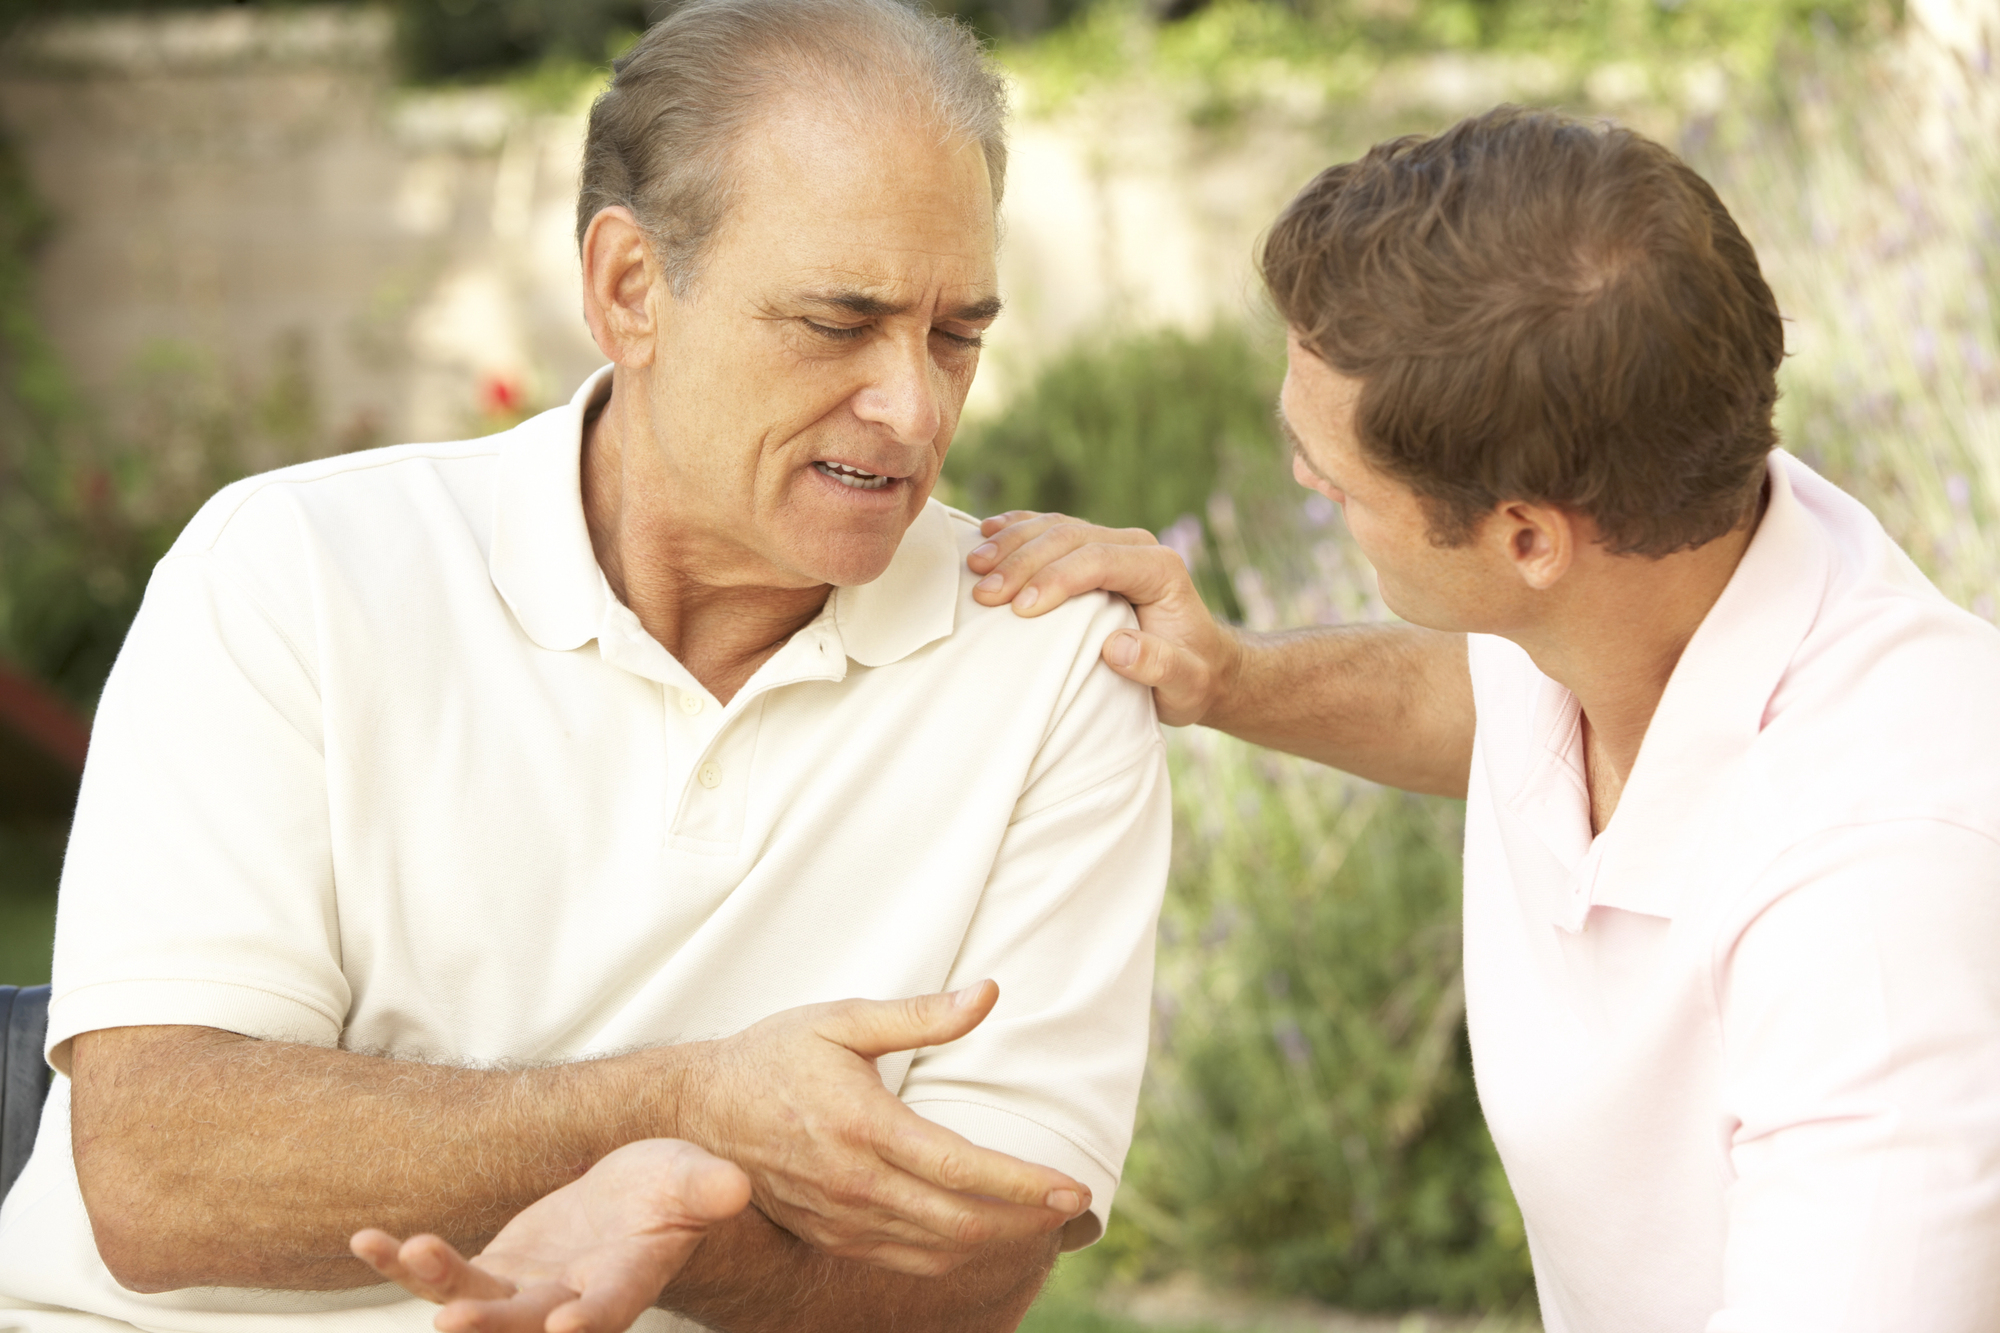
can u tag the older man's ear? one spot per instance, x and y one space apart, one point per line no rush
620 282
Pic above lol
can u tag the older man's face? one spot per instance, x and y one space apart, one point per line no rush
805 391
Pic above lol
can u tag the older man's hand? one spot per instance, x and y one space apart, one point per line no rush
834 1158
589 1258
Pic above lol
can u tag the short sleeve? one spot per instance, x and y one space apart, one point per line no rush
198 887
1861 1021
1066 926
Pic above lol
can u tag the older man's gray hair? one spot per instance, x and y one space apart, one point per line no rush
661 135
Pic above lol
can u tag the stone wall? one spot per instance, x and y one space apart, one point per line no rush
247 197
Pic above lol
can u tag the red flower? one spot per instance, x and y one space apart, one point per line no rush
500 395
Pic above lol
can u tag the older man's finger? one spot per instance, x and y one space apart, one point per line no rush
936 1155
875 1028
702 1187
427 1266
525 1311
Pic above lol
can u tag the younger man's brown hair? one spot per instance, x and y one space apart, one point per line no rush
1544 309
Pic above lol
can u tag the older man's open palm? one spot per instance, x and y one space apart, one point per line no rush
589 1258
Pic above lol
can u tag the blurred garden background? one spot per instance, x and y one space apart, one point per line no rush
236 237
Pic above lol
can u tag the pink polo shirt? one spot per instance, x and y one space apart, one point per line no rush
1741 1052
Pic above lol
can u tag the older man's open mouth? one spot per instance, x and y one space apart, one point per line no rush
853 476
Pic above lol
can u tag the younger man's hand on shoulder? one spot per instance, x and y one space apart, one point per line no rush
1037 562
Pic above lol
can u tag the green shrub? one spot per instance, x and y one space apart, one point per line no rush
1140 430
1309 1123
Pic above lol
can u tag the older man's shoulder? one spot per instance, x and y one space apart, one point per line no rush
1093 614
366 491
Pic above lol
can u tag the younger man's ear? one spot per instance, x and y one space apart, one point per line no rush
618 283
1538 541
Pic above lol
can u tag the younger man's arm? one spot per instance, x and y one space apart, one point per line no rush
1391 703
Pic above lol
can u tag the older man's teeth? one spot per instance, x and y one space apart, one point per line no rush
853 476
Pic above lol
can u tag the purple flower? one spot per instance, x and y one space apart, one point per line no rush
1183 537
1298 1052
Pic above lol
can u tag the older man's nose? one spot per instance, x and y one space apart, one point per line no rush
905 393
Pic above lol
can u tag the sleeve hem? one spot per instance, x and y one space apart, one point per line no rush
1031 1141
253 1011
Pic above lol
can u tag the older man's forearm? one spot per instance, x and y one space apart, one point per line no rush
751 1276
208 1159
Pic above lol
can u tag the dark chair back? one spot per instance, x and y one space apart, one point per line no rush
24 1075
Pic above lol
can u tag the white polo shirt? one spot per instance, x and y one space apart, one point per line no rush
1741 1052
385 765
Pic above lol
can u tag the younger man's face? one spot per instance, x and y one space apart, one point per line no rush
1440 587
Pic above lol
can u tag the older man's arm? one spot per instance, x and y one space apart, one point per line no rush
207 1159
751 1276
594 1254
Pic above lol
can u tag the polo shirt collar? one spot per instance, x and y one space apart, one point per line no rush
543 565
1715 702
542 561
911 603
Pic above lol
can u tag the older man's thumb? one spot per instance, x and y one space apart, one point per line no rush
874 1028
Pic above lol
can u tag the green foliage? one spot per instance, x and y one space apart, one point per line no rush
1231 54
1135 430
1879 228
67 555
30 859
445 39
1138 431
1066 1304
1309 1124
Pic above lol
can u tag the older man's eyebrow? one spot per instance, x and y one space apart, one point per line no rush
874 307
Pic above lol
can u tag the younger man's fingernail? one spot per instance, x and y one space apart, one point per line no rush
992 583
1122 649
1064 1202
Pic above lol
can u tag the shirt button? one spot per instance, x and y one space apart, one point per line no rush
709 776
690 703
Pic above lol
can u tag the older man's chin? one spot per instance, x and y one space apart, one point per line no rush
850 560
849 555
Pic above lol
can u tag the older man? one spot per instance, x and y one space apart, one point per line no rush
1732 856
460 816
